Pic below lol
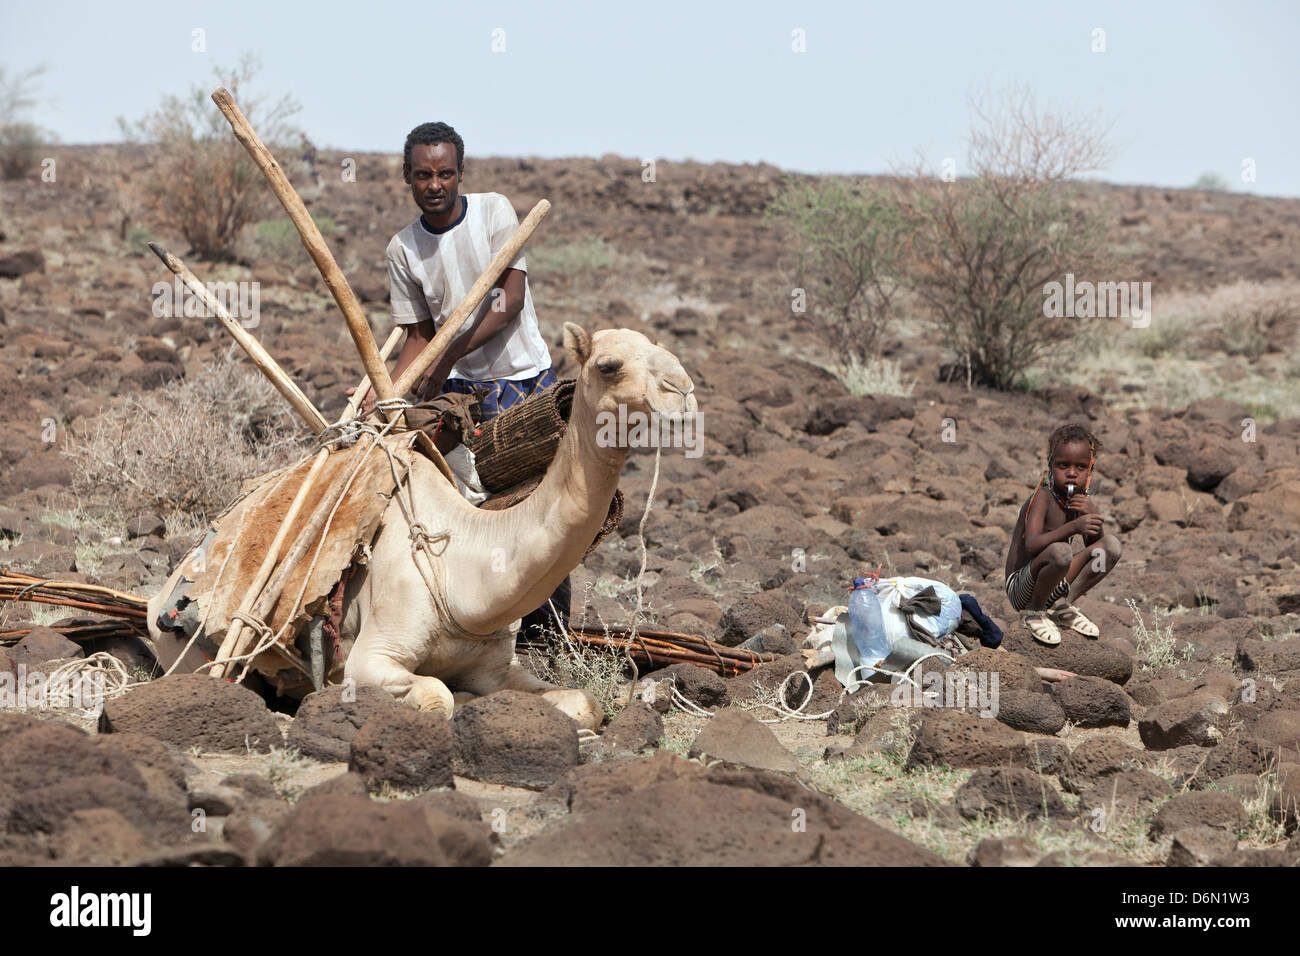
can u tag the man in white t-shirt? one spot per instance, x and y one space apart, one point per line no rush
432 264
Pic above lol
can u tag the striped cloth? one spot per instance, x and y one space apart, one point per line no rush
498 395
1020 588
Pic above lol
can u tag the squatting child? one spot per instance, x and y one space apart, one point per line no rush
1042 566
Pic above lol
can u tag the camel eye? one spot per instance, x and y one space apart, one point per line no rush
608 366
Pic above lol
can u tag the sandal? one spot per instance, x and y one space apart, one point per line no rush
1071 617
1042 627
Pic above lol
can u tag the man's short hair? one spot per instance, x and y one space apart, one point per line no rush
427 134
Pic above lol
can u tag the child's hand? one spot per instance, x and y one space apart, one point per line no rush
1082 504
1090 525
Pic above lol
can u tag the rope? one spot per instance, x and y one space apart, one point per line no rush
101 664
640 575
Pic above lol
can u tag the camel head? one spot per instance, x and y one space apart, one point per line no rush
625 378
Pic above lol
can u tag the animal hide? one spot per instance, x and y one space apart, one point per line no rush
244 533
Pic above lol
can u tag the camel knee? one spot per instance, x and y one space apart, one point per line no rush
1058 554
373 672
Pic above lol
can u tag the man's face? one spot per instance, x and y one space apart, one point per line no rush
1070 466
434 178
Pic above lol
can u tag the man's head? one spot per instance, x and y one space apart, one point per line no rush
433 161
1071 452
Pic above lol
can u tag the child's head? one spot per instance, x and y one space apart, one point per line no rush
1071 451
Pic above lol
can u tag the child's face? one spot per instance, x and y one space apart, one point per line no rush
1070 466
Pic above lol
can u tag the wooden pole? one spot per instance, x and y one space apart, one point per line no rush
253 348
313 241
452 326
232 645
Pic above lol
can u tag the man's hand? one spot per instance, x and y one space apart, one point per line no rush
367 404
437 373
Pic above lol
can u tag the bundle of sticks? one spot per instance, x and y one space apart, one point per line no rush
647 646
79 632
657 648
85 597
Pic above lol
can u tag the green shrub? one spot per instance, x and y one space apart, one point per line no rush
20 140
204 185
847 237
1211 182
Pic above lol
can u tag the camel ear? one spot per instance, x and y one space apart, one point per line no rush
577 343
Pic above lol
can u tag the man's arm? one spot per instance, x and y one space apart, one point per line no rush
506 305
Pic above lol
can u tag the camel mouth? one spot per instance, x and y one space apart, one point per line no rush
628 428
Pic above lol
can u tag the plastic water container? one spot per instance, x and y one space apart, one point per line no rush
867 627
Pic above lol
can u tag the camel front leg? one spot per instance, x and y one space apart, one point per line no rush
371 665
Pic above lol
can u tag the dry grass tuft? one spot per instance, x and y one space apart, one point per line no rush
184 449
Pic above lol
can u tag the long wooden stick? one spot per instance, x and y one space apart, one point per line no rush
312 240
452 326
253 348
233 645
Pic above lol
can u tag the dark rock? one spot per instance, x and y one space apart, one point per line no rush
753 614
251 824
1011 792
1256 857
1033 712
43 756
44 644
146 524
1284 803
209 854
194 710
1197 719
354 831
18 264
1076 654
958 739
514 738
97 836
326 724
855 708
49 809
1127 792
145 752
1199 808
345 784
1092 702
1237 753
728 819
1006 851
596 786
405 748
699 685
1096 759
1200 845
766 679
638 727
460 806
735 737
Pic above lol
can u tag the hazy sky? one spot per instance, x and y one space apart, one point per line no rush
1191 86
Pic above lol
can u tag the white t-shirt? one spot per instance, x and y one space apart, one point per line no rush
431 271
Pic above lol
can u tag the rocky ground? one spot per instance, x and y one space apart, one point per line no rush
1178 743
